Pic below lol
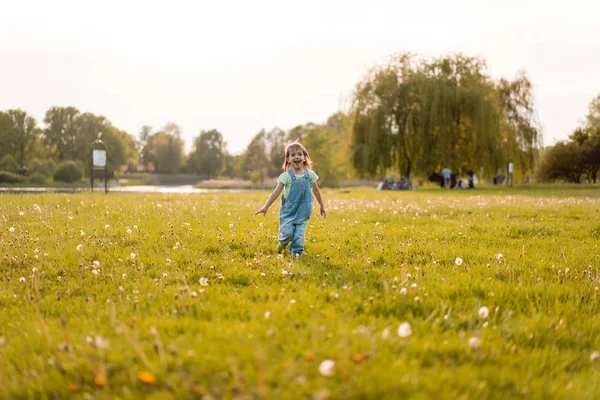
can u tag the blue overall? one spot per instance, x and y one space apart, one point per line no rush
295 213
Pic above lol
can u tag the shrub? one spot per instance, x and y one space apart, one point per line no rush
68 171
9 177
37 178
40 167
254 176
50 166
8 163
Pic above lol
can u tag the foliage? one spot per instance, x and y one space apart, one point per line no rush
37 178
417 114
168 296
18 134
164 149
8 163
207 157
9 177
579 156
255 159
68 171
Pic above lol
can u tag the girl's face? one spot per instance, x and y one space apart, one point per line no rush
296 158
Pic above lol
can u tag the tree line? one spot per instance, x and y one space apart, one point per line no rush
577 159
410 116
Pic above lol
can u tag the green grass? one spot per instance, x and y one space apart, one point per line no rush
263 324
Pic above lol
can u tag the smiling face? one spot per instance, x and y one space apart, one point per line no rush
296 158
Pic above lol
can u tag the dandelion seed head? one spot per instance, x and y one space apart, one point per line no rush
458 261
474 343
404 330
326 368
483 312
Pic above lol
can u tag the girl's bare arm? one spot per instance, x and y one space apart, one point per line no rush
271 199
317 193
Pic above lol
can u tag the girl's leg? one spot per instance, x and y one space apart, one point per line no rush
286 231
297 246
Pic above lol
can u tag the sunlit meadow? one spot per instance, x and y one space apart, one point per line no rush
430 293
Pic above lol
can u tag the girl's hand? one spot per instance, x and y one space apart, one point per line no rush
262 210
323 212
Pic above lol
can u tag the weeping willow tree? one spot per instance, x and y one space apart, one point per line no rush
417 114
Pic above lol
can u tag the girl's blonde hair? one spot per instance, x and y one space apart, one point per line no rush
296 145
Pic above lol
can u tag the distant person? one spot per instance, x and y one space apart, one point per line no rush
383 185
447 176
297 180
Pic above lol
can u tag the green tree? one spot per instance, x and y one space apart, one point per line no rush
593 116
418 114
144 148
562 161
7 139
165 150
255 159
207 157
275 142
62 131
23 133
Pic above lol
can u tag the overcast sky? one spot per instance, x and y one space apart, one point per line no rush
240 66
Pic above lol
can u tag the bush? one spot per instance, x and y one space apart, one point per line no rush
8 163
9 177
50 166
68 171
254 176
40 167
37 178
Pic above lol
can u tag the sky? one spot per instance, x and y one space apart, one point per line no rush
243 66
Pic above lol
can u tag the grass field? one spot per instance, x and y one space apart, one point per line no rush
491 293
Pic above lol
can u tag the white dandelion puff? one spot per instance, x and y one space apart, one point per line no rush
203 281
385 333
474 343
404 330
458 261
483 312
326 367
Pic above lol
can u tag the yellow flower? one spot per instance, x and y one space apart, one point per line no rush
99 380
73 387
146 377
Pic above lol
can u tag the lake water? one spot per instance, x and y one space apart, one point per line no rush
185 189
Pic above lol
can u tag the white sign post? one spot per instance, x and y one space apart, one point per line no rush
99 158
98 163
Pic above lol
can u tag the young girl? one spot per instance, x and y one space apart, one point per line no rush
296 203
